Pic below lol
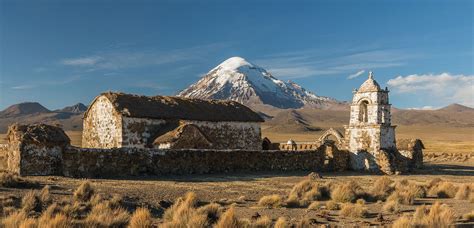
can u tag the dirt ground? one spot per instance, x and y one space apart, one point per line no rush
449 155
245 189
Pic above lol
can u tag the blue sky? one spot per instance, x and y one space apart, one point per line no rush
63 52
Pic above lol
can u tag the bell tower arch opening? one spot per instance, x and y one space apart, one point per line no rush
363 111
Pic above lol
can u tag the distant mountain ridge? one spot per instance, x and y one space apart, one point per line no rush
70 117
456 108
24 108
77 108
239 80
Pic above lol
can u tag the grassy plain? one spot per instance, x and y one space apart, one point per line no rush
435 138
243 190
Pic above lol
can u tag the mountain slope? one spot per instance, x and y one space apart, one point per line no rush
77 108
70 118
239 80
285 121
456 108
25 108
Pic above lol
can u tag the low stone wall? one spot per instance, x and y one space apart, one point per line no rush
46 150
35 149
83 162
299 146
3 156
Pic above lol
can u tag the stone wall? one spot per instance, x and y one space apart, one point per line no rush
140 132
299 146
81 162
231 135
35 149
3 156
46 150
102 126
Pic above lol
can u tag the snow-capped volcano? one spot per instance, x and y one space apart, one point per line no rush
239 80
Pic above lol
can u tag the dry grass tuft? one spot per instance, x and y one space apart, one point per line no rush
402 196
392 206
52 210
45 196
84 192
184 213
306 191
348 192
444 189
212 212
306 222
402 222
281 222
332 205
229 220
57 221
11 180
434 182
262 222
354 210
28 223
102 215
464 192
315 206
438 215
141 218
182 210
30 202
96 199
382 188
271 201
76 210
14 219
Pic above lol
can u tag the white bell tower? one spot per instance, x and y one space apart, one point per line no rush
370 127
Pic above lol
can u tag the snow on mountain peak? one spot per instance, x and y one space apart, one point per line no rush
233 64
239 80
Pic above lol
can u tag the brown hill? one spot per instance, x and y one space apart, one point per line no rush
290 121
456 108
277 120
70 118
286 121
25 108
77 108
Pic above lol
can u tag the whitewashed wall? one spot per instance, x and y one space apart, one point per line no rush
102 126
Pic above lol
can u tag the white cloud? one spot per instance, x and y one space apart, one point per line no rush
423 108
114 60
20 87
323 62
441 87
357 74
82 61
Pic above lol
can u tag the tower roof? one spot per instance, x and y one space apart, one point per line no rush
370 85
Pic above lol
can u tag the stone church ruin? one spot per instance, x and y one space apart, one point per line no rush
115 120
127 135
369 139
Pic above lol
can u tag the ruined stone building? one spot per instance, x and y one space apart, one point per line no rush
370 128
115 120
370 138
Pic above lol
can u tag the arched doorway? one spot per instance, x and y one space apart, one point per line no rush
266 144
363 113
331 135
